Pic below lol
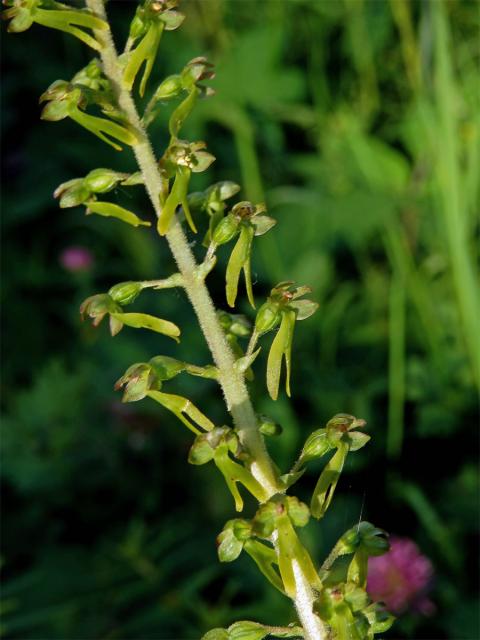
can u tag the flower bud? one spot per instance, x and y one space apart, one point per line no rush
268 427
102 180
125 292
225 230
316 446
268 317
169 88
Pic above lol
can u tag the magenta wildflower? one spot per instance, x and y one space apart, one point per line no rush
76 258
401 578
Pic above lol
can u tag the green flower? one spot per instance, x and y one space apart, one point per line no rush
181 160
245 220
283 308
102 304
23 13
68 100
145 379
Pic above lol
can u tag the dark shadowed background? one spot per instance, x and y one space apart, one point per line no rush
357 122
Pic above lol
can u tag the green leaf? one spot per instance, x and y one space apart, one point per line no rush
109 209
145 321
325 487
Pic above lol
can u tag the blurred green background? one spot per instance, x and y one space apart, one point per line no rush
357 122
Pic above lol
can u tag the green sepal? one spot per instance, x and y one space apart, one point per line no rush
72 193
281 348
144 52
243 364
325 487
97 307
240 259
111 210
179 406
146 321
232 538
204 447
265 558
298 511
137 380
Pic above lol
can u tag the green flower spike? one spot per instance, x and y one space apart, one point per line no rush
181 159
66 100
145 379
246 221
23 13
100 305
282 307
219 445
340 434
151 18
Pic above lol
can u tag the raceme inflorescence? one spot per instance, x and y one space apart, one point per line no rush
331 601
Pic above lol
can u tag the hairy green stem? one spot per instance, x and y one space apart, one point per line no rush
231 381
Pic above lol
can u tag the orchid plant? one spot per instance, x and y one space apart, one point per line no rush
330 602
